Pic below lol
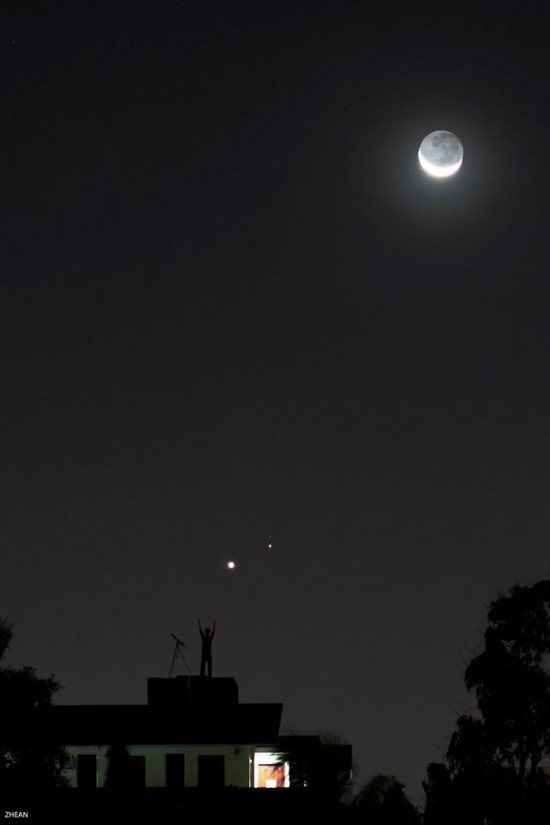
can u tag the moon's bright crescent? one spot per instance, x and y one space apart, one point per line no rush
438 171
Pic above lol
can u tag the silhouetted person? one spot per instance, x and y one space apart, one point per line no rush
206 655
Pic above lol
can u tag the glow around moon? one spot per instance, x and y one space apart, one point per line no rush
440 154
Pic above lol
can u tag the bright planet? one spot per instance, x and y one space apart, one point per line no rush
440 154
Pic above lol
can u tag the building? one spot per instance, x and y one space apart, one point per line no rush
192 733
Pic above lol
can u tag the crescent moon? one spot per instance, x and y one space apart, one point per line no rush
440 154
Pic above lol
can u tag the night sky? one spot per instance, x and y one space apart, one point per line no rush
233 307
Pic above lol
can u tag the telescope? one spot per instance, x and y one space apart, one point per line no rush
178 652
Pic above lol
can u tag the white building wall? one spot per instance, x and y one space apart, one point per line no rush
100 751
237 762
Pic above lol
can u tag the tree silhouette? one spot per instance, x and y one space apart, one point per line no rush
121 771
494 773
30 758
121 785
511 681
382 801
6 633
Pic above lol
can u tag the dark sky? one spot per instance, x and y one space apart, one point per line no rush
233 307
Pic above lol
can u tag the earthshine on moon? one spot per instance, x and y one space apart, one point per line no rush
440 154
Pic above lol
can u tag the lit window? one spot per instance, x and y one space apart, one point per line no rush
270 771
